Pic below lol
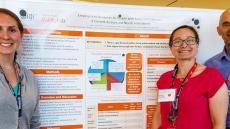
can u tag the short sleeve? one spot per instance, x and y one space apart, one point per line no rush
217 81
164 80
159 82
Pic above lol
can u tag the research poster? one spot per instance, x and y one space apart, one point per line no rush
97 64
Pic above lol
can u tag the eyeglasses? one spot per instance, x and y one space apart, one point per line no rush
179 42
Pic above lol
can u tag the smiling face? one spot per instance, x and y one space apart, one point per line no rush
224 28
10 36
186 51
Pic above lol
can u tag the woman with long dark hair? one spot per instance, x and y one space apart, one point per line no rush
18 88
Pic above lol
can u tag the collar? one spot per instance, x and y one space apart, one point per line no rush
21 73
224 55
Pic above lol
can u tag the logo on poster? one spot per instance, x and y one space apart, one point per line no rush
25 15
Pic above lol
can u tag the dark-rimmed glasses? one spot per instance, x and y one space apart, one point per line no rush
189 41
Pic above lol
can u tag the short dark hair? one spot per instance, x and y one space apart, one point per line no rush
14 16
184 27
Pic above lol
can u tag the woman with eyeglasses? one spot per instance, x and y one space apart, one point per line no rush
201 95
18 88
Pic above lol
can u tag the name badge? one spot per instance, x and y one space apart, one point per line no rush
166 95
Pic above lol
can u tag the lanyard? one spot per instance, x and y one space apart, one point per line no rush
18 96
174 110
188 76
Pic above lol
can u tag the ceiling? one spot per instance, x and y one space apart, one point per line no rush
210 4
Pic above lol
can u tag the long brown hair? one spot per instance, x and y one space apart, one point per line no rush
16 18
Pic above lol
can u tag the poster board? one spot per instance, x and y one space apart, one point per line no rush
97 64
